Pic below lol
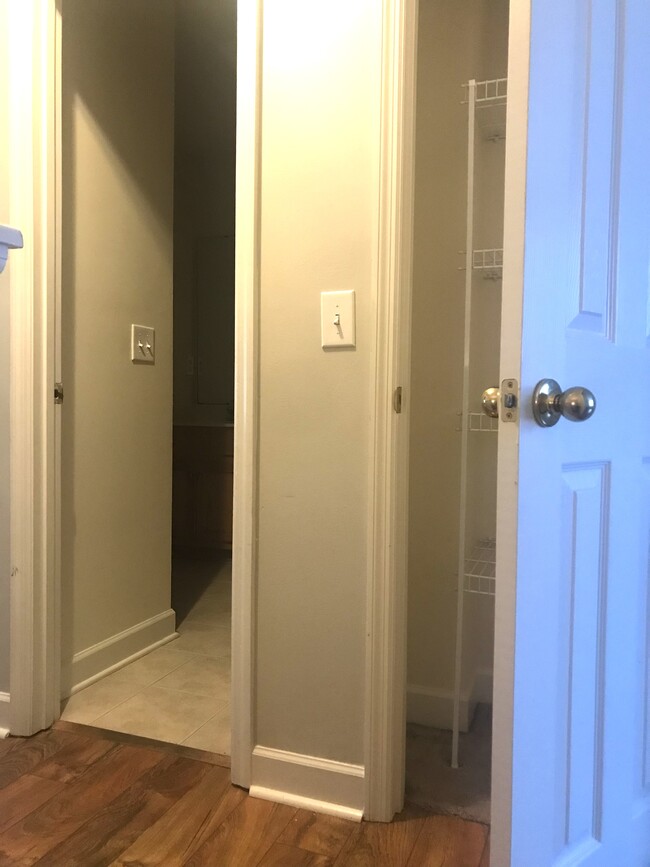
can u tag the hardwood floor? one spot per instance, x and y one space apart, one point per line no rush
80 797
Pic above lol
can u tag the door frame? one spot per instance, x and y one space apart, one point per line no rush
385 670
34 282
35 286
387 583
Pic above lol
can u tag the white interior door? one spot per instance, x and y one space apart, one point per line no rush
581 738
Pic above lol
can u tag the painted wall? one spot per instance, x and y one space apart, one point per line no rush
458 40
4 369
319 191
118 128
204 213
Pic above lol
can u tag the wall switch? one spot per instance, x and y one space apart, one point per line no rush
143 344
338 319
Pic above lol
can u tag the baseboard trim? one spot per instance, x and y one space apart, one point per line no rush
113 653
4 715
309 782
309 804
435 707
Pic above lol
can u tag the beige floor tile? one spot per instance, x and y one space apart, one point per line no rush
180 691
163 714
203 675
214 735
94 701
202 638
150 668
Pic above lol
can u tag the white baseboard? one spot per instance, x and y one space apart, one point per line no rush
4 714
320 785
113 653
435 707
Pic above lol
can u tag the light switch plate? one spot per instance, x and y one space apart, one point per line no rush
143 344
338 319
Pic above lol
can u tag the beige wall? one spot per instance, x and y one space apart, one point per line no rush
4 367
204 199
319 190
117 269
458 40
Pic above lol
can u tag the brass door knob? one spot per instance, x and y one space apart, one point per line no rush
490 402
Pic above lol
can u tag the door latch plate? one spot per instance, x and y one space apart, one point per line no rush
509 400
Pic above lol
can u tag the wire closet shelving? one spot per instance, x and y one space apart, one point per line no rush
477 559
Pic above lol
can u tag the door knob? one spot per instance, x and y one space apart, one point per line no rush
550 402
490 402
506 397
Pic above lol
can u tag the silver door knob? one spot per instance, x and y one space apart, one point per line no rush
550 402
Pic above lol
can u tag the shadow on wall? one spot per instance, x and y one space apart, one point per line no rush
108 90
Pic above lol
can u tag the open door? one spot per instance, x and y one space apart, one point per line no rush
578 761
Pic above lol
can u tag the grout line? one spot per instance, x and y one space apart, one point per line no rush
189 692
214 716
193 654
171 671
119 704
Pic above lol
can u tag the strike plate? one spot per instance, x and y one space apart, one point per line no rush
509 400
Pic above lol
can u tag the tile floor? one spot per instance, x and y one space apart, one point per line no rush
180 692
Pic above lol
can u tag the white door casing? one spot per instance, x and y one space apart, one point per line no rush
35 154
34 283
579 751
247 287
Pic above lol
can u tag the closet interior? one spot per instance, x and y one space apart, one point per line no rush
458 262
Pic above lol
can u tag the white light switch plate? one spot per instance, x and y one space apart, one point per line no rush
143 344
338 325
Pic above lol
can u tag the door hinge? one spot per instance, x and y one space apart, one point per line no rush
397 399
58 392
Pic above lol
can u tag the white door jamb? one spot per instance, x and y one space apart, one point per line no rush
247 293
508 446
34 628
385 711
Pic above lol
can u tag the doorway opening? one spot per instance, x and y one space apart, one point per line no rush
457 270
148 159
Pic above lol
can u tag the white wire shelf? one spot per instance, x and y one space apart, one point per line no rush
492 91
479 422
480 568
487 259
488 262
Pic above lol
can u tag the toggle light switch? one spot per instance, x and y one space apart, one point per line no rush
143 344
338 319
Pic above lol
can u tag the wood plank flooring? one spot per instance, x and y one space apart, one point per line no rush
80 797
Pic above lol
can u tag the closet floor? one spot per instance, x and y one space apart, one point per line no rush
180 692
432 783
